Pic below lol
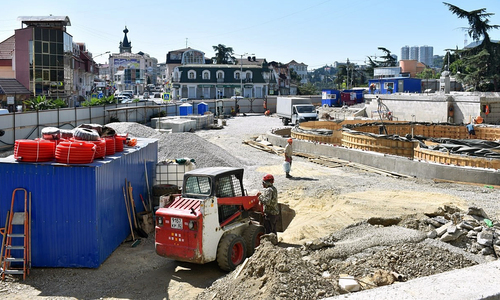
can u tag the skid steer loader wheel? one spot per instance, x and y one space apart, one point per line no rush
231 252
252 237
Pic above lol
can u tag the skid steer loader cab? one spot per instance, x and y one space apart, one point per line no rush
209 220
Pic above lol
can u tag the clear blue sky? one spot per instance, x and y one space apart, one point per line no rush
315 32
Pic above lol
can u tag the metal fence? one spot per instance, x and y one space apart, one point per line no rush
28 125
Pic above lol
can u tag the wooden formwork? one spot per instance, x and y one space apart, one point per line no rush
408 149
378 144
455 159
283 131
335 138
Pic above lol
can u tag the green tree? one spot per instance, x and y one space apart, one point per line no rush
341 77
480 64
223 55
427 73
294 77
307 89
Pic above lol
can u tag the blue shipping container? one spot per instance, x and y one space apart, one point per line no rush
78 213
330 97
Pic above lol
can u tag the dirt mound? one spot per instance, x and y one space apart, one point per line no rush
281 272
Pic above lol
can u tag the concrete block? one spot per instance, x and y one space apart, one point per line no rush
476 211
465 225
485 238
441 230
349 284
448 237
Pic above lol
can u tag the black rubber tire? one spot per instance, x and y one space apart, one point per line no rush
86 134
231 252
165 189
252 237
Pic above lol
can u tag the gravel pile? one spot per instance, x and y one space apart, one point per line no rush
181 145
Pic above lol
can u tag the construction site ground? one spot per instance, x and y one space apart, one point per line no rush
328 237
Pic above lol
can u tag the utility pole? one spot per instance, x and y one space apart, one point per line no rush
347 74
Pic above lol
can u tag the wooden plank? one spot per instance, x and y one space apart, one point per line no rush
437 180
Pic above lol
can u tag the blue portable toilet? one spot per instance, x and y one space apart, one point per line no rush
330 97
202 108
185 109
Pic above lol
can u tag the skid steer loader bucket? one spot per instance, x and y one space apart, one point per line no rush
285 217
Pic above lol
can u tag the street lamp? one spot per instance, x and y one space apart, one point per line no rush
102 54
94 63
241 73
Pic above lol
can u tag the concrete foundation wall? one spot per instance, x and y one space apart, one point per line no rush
412 107
434 107
395 164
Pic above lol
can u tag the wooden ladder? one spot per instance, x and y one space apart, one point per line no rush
18 226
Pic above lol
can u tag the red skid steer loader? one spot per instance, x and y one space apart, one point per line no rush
213 219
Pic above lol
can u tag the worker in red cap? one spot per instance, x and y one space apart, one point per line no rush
269 198
288 157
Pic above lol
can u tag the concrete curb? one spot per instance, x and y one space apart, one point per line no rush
477 282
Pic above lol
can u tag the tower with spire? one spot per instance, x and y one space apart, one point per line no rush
125 46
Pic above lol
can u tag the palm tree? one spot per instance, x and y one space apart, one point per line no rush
223 54
480 63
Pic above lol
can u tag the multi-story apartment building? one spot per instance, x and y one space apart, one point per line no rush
189 74
47 62
414 53
405 53
300 69
423 54
426 54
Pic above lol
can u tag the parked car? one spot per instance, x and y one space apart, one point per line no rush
127 94
123 99
237 97
145 95
183 100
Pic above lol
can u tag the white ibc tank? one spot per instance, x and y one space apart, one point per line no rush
171 172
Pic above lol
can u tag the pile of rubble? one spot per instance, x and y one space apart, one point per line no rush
472 231
362 256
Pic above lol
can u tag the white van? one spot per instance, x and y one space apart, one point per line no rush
4 111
